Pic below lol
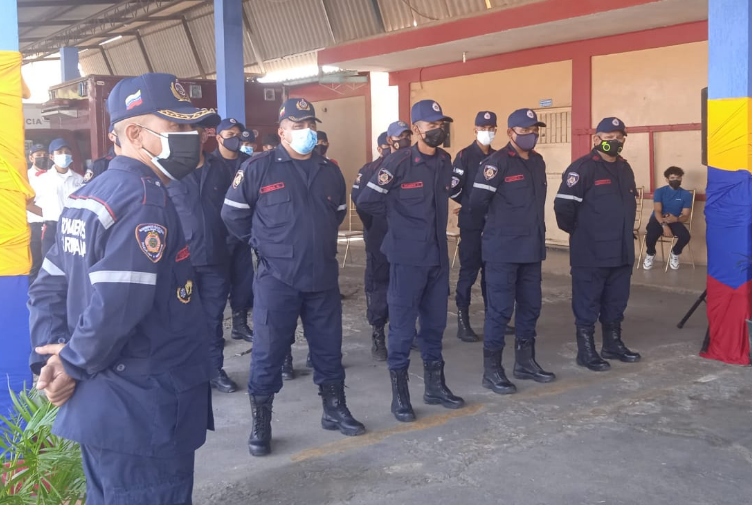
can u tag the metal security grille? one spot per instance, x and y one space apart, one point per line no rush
558 128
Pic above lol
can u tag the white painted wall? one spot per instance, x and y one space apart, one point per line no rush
384 105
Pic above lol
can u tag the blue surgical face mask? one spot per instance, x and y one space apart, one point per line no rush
247 150
303 141
63 160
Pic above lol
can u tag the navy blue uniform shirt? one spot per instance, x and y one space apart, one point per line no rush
412 190
117 287
596 204
374 227
231 166
465 169
289 211
99 166
511 192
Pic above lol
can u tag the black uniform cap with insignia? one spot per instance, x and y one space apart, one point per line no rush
297 109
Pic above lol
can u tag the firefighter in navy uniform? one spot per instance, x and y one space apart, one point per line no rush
596 204
412 189
510 190
288 203
229 140
198 199
377 266
99 165
118 330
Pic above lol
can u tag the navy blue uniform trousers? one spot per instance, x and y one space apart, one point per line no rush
35 245
507 283
416 293
275 317
49 232
241 276
471 263
125 479
376 287
213 285
600 293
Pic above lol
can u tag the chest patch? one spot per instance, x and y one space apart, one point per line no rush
601 182
412 185
151 240
515 178
385 177
572 179
489 172
272 187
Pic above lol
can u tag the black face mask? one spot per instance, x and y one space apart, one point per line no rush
610 147
402 143
42 163
321 149
183 153
232 144
674 184
435 137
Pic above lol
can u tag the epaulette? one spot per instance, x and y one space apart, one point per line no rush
154 192
253 159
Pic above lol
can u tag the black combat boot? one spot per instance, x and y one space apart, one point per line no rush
401 407
494 377
378 348
613 347
222 383
437 391
464 331
288 372
240 328
260 441
336 414
525 366
587 356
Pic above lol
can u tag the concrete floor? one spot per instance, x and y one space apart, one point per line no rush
673 429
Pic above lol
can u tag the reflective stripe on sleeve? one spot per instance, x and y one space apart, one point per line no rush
484 186
237 205
569 197
97 207
342 207
51 268
123 277
377 188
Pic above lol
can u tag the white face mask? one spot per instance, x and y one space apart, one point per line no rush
63 160
485 137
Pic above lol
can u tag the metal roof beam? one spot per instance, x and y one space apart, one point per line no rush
27 4
68 22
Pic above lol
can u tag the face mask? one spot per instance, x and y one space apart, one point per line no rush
247 150
527 141
674 184
303 141
402 143
63 160
181 152
232 144
321 149
435 137
485 137
610 147
42 163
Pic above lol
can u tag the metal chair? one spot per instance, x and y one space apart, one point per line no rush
349 234
672 241
454 235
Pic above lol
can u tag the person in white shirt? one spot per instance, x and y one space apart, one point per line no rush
40 162
56 186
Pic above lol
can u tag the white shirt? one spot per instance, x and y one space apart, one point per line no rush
35 182
55 189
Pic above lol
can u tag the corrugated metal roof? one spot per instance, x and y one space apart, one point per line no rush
169 49
401 14
126 57
92 63
202 30
353 19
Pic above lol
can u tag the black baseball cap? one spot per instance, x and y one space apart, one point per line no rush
297 109
485 118
524 118
611 124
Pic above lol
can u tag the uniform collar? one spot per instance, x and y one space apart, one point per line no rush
595 156
479 151
61 175
131 165
281 155
417 157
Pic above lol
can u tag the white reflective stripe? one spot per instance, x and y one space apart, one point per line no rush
456 194
484 186
51 268
459 171
342 207
377 188
98 208
355 186
123 276
569 197
237 205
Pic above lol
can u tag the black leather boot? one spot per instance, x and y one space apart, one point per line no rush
401 406
494 377
336 414
222 383
464 331
525 366
587 356
437 391
288 372
240 328
260 440
613 347
378 348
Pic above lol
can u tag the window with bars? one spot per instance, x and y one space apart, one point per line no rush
558 128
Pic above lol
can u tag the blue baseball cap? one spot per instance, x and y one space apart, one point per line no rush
35 148
395 129
382 139
322 136
485 118
248 136
297 109
611 124
427 110
524 118
154 93
228 123
58 144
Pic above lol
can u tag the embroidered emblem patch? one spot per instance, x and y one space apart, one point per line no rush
489 172
178 92
185 292
281 112
455 181
572 179
487 115
385 177
412 185
615 122
88 175
515 178
303 105
151 240
601 182
530 114
133 100
238 179
436 107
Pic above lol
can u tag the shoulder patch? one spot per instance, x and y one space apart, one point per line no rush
489 172
154 192
385 177
358 178
572 179
88 175
238 178
151 240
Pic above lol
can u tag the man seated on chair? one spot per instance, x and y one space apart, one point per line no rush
672 208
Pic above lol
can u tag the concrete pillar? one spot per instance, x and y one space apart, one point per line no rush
69 63
384 106
728 209
228 33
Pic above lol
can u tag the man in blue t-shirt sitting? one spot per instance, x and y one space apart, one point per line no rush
672 206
